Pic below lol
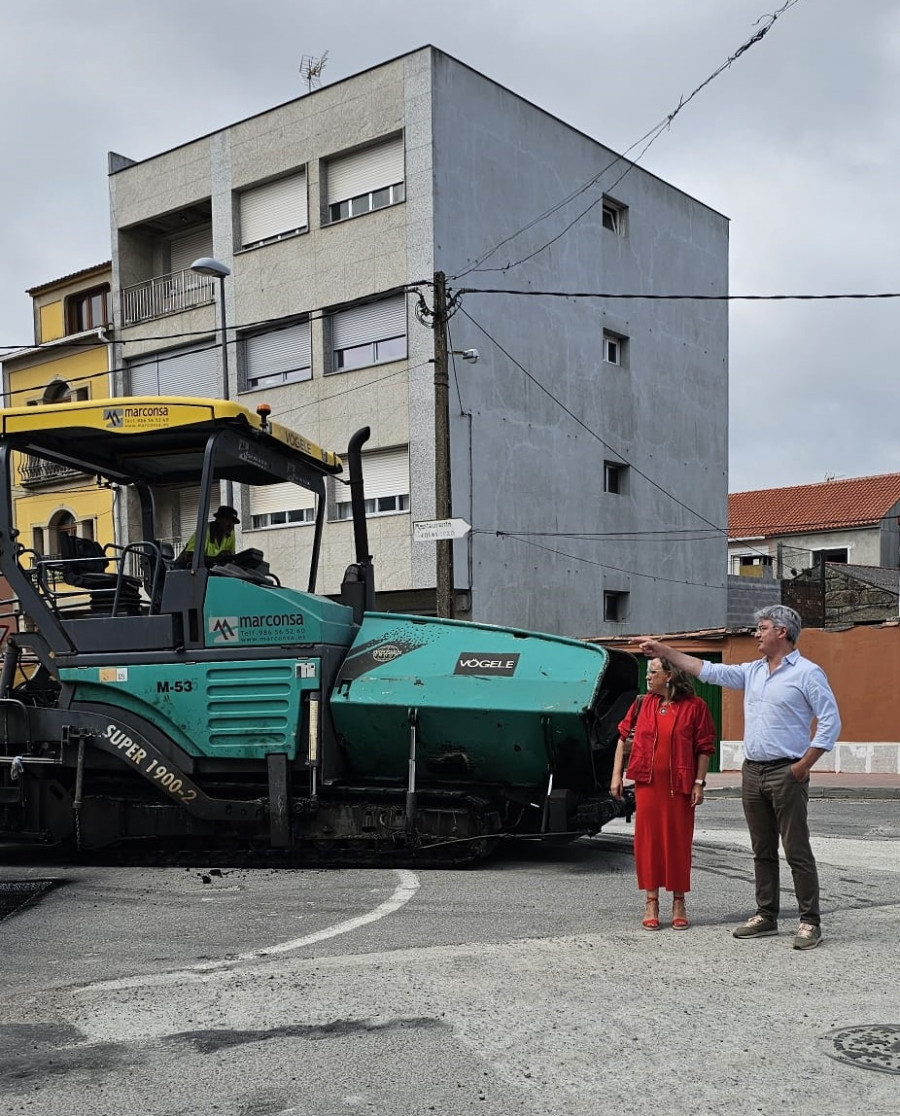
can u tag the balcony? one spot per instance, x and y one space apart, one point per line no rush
166 294
34 471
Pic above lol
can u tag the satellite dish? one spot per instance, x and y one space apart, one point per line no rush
311 70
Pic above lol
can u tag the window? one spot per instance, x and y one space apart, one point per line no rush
750 565
60 392
385 485
193 368
613 348
615 606
370 333
365 180
614 474
281 505
614 216
274 210
88 310
278 356
836 554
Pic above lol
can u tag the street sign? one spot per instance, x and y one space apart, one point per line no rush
430 530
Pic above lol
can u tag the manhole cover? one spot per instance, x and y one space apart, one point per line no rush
16 894
875 1047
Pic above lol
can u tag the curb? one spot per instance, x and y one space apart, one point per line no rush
861 793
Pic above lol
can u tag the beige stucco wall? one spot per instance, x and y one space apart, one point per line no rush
308 273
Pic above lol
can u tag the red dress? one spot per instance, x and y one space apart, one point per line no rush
663 822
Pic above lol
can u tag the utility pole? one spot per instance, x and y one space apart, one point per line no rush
443 508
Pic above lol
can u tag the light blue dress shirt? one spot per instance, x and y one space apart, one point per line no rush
779 707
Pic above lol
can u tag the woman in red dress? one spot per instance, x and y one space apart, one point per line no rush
674 736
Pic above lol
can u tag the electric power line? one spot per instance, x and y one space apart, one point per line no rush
624 460
605 565
653 135
680 297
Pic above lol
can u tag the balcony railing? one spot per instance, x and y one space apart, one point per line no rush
166 294
35 471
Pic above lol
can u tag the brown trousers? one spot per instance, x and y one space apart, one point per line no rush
775 805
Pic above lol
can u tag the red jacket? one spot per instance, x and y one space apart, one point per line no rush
693 734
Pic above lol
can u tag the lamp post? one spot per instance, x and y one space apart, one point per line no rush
206 265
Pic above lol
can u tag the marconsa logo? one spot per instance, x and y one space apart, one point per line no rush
473 662
387 653
273 620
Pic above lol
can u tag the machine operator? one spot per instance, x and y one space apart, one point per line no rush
220 542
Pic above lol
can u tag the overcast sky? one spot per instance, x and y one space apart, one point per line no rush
798 143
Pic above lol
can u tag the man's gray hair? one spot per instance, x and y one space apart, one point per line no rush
782 617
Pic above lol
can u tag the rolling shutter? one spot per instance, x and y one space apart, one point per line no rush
195 369
386 473
373 321
185 249
189 506
280 497
365 171
274 210
278 351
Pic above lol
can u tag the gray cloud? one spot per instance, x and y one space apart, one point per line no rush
798 143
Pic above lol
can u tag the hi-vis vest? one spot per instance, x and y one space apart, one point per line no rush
213 548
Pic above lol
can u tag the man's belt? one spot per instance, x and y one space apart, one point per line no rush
774 763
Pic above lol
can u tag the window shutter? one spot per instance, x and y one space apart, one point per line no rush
385 473
274 209
365 171
373 321
185 249
170 372
280 497
189 506
279 350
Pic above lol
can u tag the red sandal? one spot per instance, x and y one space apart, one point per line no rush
679 923
649 921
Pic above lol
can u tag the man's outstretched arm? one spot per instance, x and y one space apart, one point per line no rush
653 649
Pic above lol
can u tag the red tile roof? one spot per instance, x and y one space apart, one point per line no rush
42 288
857 502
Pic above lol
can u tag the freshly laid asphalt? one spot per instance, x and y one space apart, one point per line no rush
823 784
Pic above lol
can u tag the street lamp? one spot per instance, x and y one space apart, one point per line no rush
206 265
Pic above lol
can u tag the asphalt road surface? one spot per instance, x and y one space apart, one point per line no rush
524 986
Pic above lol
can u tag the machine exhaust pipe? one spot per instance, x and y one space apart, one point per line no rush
358 589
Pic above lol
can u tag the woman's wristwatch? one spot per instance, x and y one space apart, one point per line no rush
702 782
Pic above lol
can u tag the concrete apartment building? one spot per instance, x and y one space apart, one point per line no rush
589 441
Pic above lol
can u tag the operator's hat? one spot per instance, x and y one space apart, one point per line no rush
226 509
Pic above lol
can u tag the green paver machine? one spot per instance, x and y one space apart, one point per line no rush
143 698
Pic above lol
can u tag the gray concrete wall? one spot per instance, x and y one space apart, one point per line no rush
748 594
529 446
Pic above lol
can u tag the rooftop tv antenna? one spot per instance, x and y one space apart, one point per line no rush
311 70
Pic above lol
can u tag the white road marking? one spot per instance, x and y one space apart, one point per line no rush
406 888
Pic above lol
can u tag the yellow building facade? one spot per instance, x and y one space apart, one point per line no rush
70 359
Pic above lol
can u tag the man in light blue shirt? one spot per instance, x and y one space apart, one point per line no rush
783 694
